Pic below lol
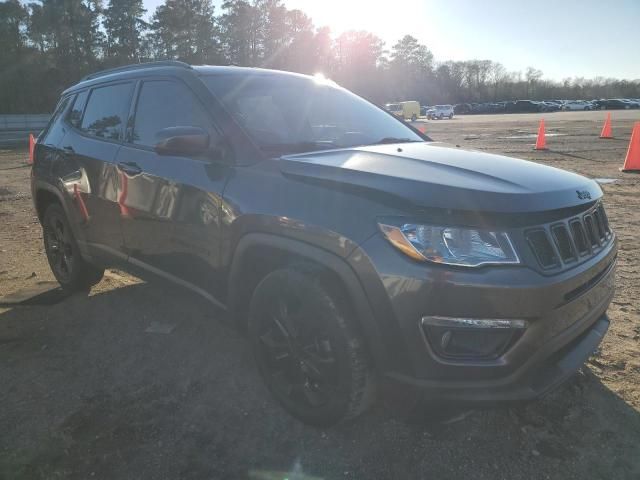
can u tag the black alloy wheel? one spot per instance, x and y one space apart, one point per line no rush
70 269
308 352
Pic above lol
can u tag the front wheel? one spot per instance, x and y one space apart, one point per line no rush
308 350
70 269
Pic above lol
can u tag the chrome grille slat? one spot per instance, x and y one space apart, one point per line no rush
579 237
563 243
592 235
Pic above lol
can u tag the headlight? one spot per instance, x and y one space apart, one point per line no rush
466 247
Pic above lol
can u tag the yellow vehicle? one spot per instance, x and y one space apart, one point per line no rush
407 110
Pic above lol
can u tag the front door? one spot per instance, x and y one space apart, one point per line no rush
171 203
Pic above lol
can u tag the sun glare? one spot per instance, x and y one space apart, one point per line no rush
320 79
340 16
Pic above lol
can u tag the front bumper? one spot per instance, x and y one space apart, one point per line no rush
546 370
566 314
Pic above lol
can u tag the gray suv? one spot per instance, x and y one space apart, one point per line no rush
355 252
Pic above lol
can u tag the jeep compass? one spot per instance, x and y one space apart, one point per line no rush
354 251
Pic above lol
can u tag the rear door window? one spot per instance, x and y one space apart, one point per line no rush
163 104
106 112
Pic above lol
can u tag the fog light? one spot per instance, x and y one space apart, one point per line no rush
471 338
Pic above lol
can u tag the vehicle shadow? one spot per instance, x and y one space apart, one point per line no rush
150 381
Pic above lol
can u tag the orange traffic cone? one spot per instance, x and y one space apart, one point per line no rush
606 130
632 161
541 142
32 144
422 128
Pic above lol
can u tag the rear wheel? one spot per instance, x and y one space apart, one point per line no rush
70 269
414 117
308 350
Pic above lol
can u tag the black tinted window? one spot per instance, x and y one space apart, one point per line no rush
164 104
107 110
60 108
75 114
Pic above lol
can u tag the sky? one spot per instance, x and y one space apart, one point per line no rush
563 38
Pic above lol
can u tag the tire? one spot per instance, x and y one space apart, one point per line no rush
440 117
414 117
308 349
450 116
70 269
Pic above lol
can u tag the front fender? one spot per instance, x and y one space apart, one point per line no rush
319 256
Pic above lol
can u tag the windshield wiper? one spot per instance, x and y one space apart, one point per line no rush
297 147
386 140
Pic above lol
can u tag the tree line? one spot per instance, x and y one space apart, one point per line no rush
48 45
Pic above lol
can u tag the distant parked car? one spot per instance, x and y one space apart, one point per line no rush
577 105
423 110
498 107
462 109
548 106
480 108
523 106
612 104
633 103
440 111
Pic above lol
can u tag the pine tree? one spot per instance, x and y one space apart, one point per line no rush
185 30
124 25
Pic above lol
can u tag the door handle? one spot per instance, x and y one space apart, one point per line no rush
68 149
130 168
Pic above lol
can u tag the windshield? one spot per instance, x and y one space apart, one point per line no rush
285 114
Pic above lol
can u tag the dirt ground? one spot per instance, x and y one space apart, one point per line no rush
144 380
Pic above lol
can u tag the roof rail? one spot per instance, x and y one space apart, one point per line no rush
136 66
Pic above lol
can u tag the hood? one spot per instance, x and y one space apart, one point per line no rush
437 175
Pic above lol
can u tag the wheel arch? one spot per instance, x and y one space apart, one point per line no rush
257 254
44 194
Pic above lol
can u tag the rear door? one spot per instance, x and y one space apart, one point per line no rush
96 124
172 203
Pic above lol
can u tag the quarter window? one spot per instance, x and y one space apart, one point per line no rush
107 110
163 104
62 105
60 108
75 114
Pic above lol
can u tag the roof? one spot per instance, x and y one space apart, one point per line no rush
173 66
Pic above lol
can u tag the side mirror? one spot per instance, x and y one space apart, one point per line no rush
183 141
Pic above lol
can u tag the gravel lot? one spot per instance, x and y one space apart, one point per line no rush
86 391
